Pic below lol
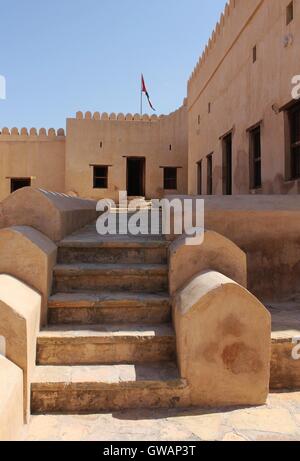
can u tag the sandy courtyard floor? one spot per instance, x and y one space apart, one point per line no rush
279 420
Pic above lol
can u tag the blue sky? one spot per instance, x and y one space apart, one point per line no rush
61 56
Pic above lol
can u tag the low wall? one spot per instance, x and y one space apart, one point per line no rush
11 400
223 336
53 214
20 308
214 253
29 256
267 229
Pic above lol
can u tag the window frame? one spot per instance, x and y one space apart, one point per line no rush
290 10
209 174
24 179
253 159
199 177
294 145
102 177
169 179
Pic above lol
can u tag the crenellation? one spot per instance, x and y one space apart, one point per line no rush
42 132
33 132
24 132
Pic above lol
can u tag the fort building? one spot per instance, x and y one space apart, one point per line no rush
236 133
92 323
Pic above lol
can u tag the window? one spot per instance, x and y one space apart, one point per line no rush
199 177
170 178
199 119
100 177
254 52
170 147
19 183
255 158
290 13
101 144
294 121
209 174
227 165
209 107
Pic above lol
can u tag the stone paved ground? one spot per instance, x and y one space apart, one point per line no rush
276 421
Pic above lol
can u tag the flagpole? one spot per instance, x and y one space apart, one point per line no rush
141 97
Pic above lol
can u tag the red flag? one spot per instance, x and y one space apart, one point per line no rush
144 90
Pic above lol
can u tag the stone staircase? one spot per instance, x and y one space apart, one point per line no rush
110 344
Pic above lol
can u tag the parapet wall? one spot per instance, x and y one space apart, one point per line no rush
109 139
233 20
34 154
121 117
6 134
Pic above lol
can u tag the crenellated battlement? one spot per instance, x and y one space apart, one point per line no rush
223 23
42 133
235 16
126 117
117 117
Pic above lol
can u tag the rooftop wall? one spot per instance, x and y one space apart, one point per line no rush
108 139
35 154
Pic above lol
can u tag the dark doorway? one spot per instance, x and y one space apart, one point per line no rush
136 176
19 183
227 165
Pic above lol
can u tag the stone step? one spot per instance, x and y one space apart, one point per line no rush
94 389
117 307
113 253
120 277
105 344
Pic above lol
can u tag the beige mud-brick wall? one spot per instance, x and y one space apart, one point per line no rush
31 154
124 136
242 93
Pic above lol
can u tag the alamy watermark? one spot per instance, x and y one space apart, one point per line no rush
296 349
2 87
164 217
296 87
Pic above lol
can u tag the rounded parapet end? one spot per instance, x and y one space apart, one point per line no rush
104 116
88 115
20 308
154 117
137 117
34 246
223 337
54 214
214 253
79 115
121 117
129 117
5 131
113 116
146 118
97 116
